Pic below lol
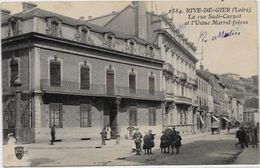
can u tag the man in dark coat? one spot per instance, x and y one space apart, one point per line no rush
241 135
53 132
177 142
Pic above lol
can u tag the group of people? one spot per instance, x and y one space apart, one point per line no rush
248 136
170 139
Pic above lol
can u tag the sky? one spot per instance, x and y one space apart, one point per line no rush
236 53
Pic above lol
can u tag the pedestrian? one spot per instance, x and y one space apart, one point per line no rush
53 133
254 136
103 134
178 142
108 131
241 135
163 142
138 141
151 138
146 144
247 140
228 128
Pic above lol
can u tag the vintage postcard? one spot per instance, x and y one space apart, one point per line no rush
129 83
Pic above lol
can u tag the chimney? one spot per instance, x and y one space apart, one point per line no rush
202 67
28 5
82 18
5 13
141 18
89 17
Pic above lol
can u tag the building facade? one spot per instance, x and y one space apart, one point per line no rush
251 116
179 76
203 97
77 76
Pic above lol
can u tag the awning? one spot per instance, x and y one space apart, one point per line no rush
226 119
215 118
201 120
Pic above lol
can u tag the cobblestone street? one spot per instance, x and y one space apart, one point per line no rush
196 149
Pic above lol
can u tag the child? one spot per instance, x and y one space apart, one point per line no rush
178 142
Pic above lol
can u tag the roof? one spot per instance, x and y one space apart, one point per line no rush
203 74
73 22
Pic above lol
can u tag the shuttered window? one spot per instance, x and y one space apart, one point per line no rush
151 85
56 115
15 28
84 77
152 116
55 73
109 41
54 29
85 115
133 116
14 68
110 81
132 83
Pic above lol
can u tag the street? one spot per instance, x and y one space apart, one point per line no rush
201 149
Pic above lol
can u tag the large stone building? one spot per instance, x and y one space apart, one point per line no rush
178 54
251 116
204 99
82 77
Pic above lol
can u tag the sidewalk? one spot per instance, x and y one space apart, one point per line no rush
248 156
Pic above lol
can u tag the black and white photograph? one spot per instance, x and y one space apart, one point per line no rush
129 83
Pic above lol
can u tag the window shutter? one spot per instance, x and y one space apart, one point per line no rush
110 82
132 83
55 73
151 85
85 77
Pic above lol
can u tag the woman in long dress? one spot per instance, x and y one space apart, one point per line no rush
108 130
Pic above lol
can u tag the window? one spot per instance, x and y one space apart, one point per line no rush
181 117
110 80
84 33
85 115
55 73
84 77
53 26
132 82
151 53
56 115
152 116
151 85
133 116
14 68
15 28
132 47
109 41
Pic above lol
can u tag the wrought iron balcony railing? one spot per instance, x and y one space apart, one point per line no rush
68 87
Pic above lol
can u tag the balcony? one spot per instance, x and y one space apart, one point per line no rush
168 68
183 100
169 96
183 76
73 88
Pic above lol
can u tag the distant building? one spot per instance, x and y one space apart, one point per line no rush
232 75
251 116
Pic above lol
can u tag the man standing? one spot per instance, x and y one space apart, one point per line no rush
53 134
138 141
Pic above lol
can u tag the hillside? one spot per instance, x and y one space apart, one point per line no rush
243 89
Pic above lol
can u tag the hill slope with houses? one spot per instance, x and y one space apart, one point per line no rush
244 89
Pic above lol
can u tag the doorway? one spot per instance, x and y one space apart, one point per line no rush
110 118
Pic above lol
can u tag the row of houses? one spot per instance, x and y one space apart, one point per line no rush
127 68
215 104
